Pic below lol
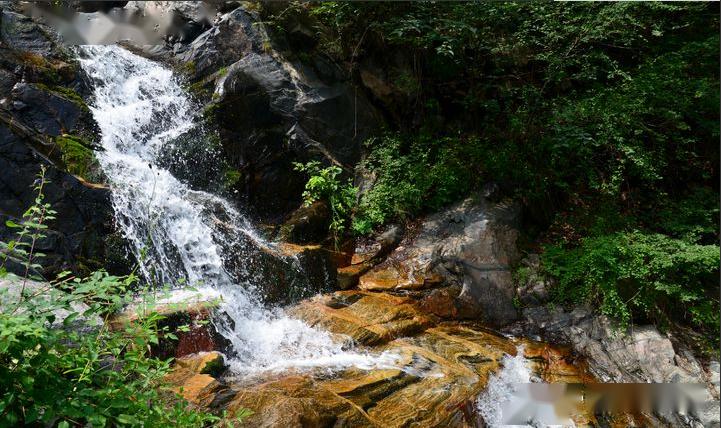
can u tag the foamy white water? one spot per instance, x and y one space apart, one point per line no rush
509 399
500 390
179 234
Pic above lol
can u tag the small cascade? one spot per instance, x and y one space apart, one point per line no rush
498 399
183 236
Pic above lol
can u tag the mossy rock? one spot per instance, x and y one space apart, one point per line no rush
40 69
67 93
78 157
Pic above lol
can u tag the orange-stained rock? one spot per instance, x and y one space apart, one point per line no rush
348 276
442 302
439 374
296 401
190 380
200 362
556 364
368 318
435 373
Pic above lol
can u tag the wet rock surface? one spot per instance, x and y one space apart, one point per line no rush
440 369
460 259
271 108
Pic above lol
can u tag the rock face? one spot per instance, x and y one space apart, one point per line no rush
459 259
307 224
439 370
640 355
272 109
44 121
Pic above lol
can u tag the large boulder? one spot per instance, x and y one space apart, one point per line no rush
271 108
231 37
20 33
459 259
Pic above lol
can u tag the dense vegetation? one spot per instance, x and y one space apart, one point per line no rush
603 118
60 362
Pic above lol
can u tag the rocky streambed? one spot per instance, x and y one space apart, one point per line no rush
435 373
414 297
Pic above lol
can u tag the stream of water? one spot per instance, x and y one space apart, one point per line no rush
179 234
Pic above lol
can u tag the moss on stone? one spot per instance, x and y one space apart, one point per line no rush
77 155
65 92
209 111
231 177
200 90
188 67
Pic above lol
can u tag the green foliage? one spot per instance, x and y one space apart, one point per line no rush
61 364
28 232
78 157
188 67
693 217
602 118
640 276
412 175
574 103
231 178
325 184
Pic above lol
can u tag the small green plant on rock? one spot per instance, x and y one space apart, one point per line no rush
325 184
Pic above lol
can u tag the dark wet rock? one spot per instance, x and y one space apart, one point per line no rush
272 110
48 112
84 211
20 33
227 41
307 224
42 115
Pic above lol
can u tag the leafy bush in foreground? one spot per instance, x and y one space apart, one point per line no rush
60 363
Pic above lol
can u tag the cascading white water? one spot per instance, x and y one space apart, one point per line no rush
515 396
499 392
175 231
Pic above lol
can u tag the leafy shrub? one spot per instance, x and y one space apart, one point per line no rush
415 174
61 364
640 276
325 184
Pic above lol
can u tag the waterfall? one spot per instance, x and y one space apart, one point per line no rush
181 235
